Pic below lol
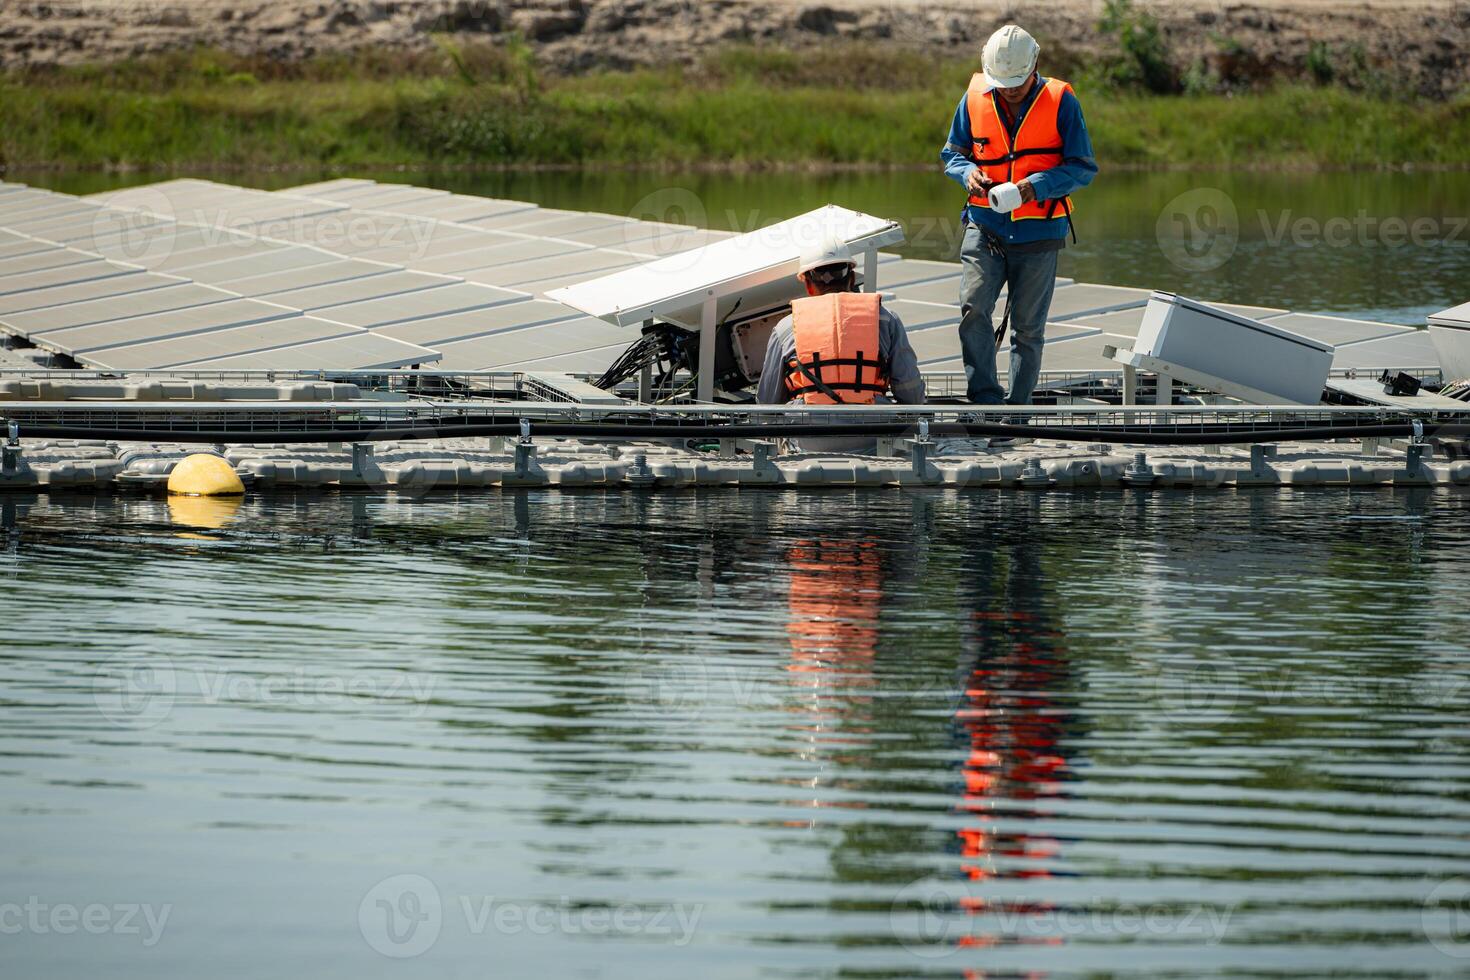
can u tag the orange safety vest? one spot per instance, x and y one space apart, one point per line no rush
837 345
1038 144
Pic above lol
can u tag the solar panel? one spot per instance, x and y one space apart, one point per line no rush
226 252
481 262
78 292
25 196
339 270
1125 323
220 343
163 241
1081 299
508 219
50 259
581 362
89 311
45 206
1410 349
1122 322
641 236
756 270
932 346
906 271
417 305
433 331
363 288
445 240
567 337
1334 330
545 286
1254 312
357 352
920 316
943 291
81 272
274 262
567 224
327 188
59 229
355 232
1081 355
583 265
400 197
358 191
104 226
460 207
23 246
159 326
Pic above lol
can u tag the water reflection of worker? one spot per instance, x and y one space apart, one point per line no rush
1012 717
836 588
839 346
835 594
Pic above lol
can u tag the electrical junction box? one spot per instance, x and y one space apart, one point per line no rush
1449 331
1237 349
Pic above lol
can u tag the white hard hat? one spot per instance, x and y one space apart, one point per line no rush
1010 57
832 251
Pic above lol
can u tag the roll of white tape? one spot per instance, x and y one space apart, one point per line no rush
1005 198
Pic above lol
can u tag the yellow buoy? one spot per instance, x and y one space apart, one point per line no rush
203 475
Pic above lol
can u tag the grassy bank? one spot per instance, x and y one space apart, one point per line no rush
490 107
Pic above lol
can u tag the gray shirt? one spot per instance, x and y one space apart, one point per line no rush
893 350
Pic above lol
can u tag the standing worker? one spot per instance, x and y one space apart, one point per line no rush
838 347
1019 147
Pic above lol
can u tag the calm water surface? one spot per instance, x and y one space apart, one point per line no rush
736 734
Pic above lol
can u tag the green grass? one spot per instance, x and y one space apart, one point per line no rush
488 107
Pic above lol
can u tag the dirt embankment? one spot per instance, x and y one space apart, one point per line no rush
1424 43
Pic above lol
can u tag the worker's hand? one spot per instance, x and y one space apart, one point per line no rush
977 183
1028 193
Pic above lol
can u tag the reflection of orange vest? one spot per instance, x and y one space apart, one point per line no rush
836 348
836 590
1038 144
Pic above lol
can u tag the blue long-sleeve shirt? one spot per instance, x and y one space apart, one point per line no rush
1076 170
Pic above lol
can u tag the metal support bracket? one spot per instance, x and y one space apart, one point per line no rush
362 456
709 329
1034 477
1138 473
919 450
10 452
762 453
525 449
639 475
1259 455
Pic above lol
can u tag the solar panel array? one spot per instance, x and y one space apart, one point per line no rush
352 274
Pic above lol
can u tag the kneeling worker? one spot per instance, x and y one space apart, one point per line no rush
838 347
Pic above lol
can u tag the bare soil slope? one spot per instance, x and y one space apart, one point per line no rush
1424 42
